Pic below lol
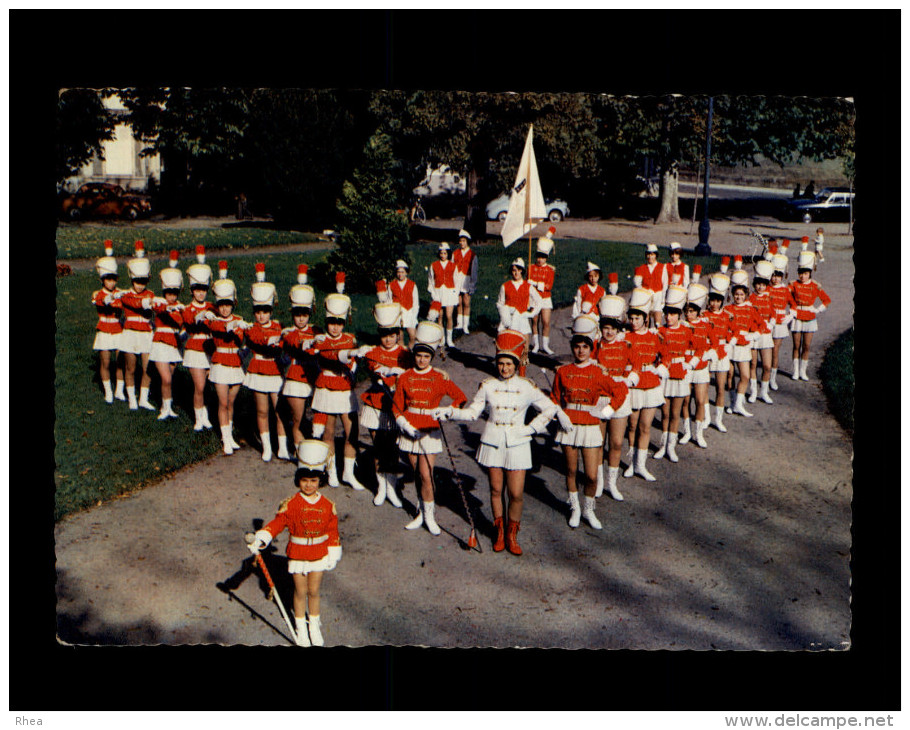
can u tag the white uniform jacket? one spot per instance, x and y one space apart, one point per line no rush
508 402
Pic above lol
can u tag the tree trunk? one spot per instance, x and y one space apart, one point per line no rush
475 221
669 194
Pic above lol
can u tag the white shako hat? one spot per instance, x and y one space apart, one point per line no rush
139 266
545 244
312 455
641 299
301 294
697 294
592 267
428 336
402 264
739 276
588 326
520 263
224 289
612 306
387 314
444 247
107 264
675 246
675 297
200 273
171 276
337 305
806 260
720 283
651 248
262 292
764 269
464 234
780 263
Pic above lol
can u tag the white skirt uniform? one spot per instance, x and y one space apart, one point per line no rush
375 419
650 398
310 566
226 374
701 377
106 341
163 352
334 402
804 325
262 383
296 389
625 410
409 318
764 342
741 353
581 437
196 359
445 296
546 302
657 301
503 444
135 342
678 388
429 442
780 331
721 364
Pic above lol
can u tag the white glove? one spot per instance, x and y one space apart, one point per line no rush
319 338
363 350
178 307
245 325
273 340
260 541
109 299
406 428
119 293
205 316
287 330
522 431
662 371
334 556
565 423
788 318
159 301
631 379
586 307
820 308
147 302
444 413
692 363
710 355
607 412
752 336
395 371
541 286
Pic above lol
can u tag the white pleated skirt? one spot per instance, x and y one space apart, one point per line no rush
581 437
430 442
308 566
722 365
296 389
678 388
334 401
447 297
546 302
505 457
163 352
650 398
409 318
375 419
764 342
741 353
196 359
624 411
799 325
138 343
780 332
263 383
701 377
106 341
225 374
657 301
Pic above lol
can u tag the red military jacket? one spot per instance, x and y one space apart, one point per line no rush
721 330
676 347
200 337
645 351
542 274
805 296
615 356
398 357
334 374
781 298
653 280
314 522
418 393
167 324
136 317
403 293
765 307
701 339
227 341
108 314
583 385
295 342
265 355
745 319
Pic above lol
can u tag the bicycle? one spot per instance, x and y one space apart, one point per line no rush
417 214
759 246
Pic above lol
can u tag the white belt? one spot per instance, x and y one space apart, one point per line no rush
648 368
225 350
581 407
678 359
422 411
309 540
168 330
109 320
134 318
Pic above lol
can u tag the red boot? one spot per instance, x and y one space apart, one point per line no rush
512 538
500 543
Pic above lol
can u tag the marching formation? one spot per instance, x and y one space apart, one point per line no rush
661 349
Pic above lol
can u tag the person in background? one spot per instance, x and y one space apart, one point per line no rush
653 276
404 292
702 331
763 347
518 303
677 270
820 244
465 261
165 352
721 339
589 294
443 288
106 301
541 275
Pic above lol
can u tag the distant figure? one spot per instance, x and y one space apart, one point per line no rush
796 192
809 192
243 210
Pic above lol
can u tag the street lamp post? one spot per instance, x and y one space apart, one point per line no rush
704 228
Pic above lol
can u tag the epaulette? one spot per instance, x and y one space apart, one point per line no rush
283 507
443 373
487 380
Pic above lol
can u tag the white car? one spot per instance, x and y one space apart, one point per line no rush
498 208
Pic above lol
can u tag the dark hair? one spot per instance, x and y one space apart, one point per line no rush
301 310
304 473
581 338
199 286
716 295
739 286
692 305
140 279
611 322
632 311
262 307
509 355
334 320
423 348
383 331
759 280
672 310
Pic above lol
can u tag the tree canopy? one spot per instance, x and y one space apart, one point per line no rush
83 124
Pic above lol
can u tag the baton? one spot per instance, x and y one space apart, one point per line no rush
273 592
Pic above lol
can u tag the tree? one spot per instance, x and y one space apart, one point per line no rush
372 233
83 125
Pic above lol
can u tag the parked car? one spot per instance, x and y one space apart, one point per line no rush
498 208
104 200
831 204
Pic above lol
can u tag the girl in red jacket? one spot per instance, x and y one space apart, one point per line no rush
702 331
763 346
314 545
136 338
541 275
165 351
747 325
198 347
784 307
805 292
263 376
107 332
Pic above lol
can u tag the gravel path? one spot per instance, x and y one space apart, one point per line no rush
744 545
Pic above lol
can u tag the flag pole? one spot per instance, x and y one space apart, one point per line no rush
528 203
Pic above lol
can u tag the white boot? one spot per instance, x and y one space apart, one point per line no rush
204 412
108 391
740 407
459 321
773 380
266 445
418 520
612 474
700 434
671 447
165 409
575 510
131 397
381 488
316 631
449 339
198 426
600 481
535 343
283 448
630 470
226 440
546 345
795 368
719 419
765 396
641 459
144 399
333 472
303 635
391 492
753 390
118 391
464 325
429 516
803 369
687 431
347 475
659 454
589 514
234 444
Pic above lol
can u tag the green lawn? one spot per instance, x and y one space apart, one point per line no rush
77 241
103 451
836 374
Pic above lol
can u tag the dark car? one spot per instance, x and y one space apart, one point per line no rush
831 204
104 200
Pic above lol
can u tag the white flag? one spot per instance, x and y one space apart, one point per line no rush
526 206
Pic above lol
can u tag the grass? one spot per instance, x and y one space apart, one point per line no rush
103 451
836 373
77 241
